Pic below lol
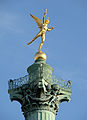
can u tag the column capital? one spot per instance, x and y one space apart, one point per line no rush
39 91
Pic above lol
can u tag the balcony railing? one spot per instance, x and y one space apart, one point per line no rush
64 84
16 83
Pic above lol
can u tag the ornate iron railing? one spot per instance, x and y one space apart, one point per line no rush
67 85
16 83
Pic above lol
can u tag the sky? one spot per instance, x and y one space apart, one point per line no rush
65 47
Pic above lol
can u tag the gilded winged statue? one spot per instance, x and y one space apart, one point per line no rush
43 28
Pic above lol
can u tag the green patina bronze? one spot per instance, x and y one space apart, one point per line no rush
40 69
39 93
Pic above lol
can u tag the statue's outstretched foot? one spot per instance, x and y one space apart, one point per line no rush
39 51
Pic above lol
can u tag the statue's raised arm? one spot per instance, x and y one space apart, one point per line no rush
44 16
43 28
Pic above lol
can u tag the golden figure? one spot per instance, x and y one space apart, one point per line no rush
43 28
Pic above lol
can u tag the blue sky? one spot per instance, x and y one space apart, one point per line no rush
65 46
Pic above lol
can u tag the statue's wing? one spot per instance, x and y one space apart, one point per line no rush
37 20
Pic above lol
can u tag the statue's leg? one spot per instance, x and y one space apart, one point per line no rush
38 35
42 41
